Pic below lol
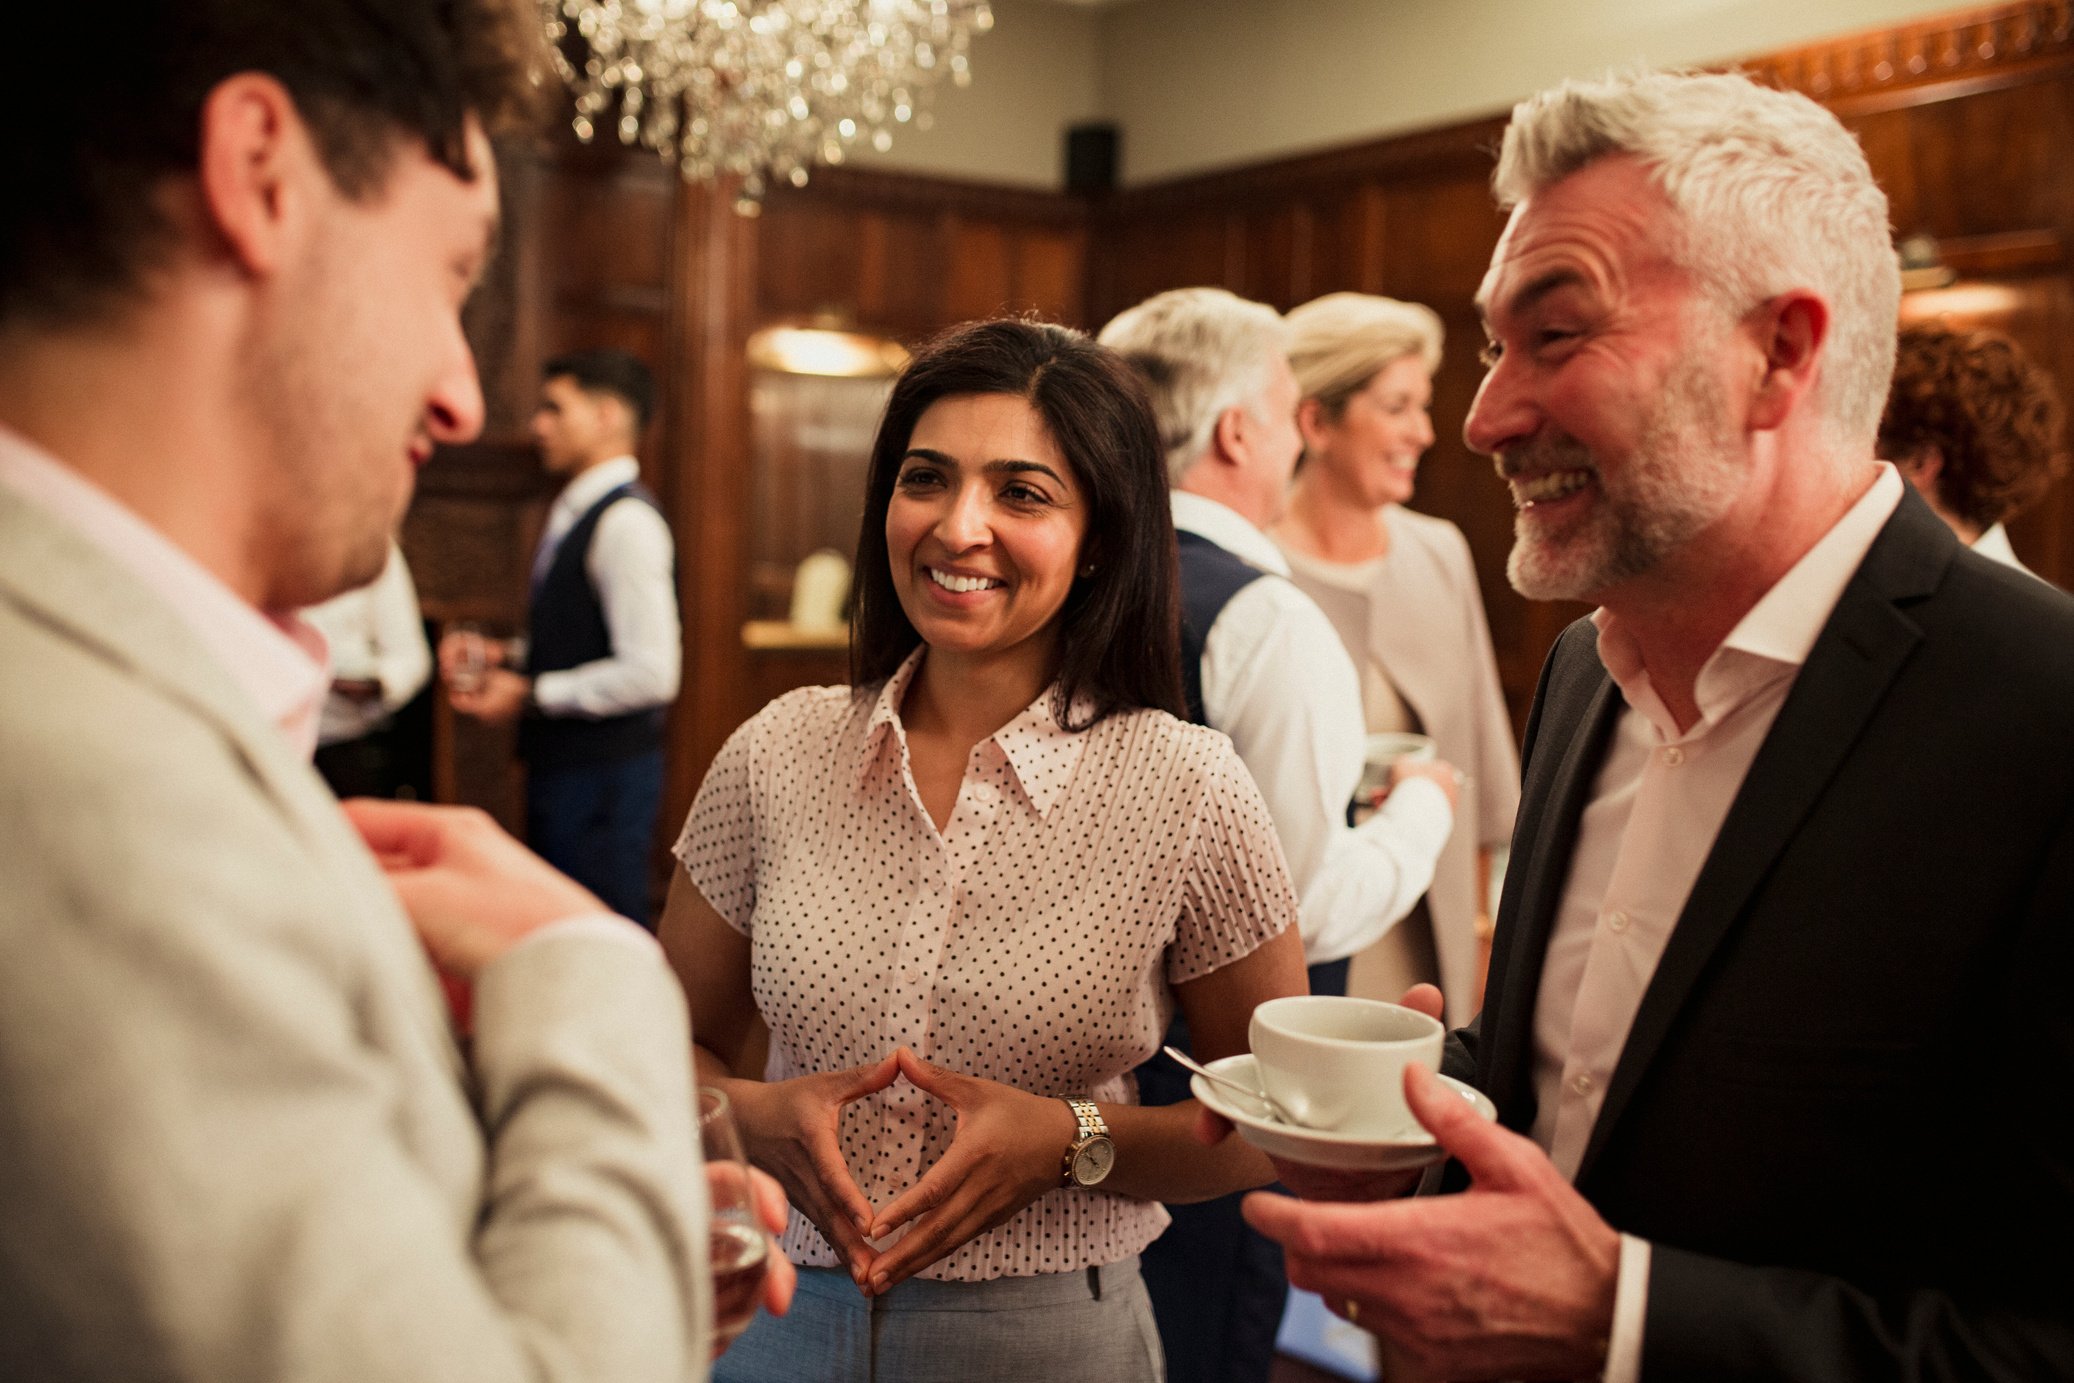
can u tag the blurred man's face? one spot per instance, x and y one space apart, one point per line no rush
574 427
1278 441
360 366
1606 409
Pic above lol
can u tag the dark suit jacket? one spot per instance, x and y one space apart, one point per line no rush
1844 1117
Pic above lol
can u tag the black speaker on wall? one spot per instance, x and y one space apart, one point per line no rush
1091 158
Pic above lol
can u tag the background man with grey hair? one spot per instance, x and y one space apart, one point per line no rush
1784 954
1262 664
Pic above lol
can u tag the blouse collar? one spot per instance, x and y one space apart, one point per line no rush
1041 753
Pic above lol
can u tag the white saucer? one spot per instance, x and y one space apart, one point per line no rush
1351 1152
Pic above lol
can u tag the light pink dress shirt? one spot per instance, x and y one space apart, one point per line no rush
276 660
1655 810
1032 942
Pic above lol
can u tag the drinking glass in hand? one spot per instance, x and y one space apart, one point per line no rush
466 655
740 1247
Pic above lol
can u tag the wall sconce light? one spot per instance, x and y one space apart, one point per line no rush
1922 263
826 351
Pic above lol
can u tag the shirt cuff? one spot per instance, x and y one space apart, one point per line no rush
605 926
1630 1312
551 693
1417 813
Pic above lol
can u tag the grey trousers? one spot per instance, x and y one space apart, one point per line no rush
1092 1326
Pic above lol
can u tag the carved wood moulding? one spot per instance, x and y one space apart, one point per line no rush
2000 43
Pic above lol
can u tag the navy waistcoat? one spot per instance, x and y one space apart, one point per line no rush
566 628
1210 577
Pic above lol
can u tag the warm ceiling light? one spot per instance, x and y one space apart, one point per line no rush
822 351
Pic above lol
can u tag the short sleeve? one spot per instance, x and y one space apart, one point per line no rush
1235 889
718 843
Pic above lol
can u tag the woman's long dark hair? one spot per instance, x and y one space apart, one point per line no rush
1120 628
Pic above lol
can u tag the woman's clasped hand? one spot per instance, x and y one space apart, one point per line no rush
790 1128
1004 1154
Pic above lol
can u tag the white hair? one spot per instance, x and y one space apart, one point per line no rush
1201 351
1772 193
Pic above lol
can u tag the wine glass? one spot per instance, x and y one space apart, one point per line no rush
466 655
739 1246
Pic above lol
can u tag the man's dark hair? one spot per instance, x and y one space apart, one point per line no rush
606 371
88 132
1120 628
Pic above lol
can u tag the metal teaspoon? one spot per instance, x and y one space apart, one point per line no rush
1281 1114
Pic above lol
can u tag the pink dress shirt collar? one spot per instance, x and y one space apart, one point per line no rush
278 661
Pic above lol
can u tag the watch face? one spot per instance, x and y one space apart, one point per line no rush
1093 1161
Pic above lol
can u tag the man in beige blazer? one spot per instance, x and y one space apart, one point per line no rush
238 1140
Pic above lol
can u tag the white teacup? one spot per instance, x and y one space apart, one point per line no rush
1379 751
1338 1063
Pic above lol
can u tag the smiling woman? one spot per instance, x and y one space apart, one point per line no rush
967 893
1088 411
984 531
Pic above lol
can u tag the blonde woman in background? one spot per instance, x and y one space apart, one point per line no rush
1401 590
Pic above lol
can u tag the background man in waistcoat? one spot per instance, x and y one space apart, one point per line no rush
1261 663
602 661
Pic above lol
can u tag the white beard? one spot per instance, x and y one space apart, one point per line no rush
1683 474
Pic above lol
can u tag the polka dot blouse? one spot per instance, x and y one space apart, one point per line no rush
1032 942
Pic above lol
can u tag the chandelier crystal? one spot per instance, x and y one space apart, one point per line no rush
763 89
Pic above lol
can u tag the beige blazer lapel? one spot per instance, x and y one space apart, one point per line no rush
49 570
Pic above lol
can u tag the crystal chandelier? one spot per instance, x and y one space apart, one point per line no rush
758 88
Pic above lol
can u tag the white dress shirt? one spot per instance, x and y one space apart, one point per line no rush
631 566
1993 544
1655 809
1277 680
375 633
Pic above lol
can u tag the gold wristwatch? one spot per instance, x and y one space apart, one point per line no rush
1090 1155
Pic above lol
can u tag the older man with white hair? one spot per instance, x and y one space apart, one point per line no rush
1777 1021
1262 663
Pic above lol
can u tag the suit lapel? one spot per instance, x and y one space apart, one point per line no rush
1863 646
1578 713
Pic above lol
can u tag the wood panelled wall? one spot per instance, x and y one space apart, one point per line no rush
1966 120
1411 218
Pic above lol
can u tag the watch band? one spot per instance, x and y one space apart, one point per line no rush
1088 1114
1089 1126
